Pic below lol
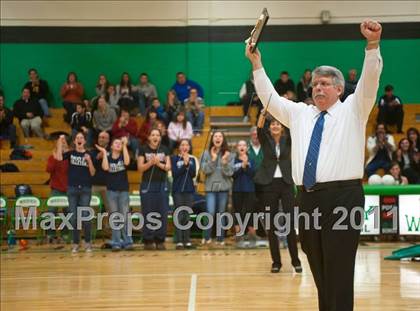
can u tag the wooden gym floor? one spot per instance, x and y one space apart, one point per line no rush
46 279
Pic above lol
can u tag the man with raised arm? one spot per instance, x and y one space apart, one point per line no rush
328 144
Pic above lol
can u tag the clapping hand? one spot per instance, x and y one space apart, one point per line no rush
225 157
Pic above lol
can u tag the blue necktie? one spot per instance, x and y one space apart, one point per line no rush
309 173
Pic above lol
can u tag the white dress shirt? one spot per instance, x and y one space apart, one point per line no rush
342 149
277 173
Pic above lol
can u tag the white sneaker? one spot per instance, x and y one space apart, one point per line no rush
88 248
204 241
245 119
75 249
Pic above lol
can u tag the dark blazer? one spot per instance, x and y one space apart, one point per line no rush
265 172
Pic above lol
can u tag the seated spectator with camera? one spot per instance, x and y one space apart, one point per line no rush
195 114
380 147
39 90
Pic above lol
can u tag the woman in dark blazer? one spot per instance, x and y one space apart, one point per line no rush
274 182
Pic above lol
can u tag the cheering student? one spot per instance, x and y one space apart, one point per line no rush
115 163
154 162
79 190
243 192
217 164
183 171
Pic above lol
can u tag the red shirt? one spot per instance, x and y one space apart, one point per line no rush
58 173
129 130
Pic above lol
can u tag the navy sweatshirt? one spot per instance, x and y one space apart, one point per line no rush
243 178
183 174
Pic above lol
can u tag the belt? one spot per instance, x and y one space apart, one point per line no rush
331 184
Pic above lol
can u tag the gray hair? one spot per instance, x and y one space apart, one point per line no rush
253 129
329 71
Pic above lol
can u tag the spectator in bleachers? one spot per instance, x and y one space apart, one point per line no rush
217 164
149 122
414 138
112 98
173 105
7 128
178 130
243 192
380 148
79 190
102 85
160 125
408 161
126 93
58 171
395 171
115 163
72 92
304 87
350 84
104 117
249 97
154 163
29 113
194 106
81 121
390 109
254 147
284 84
161 113
183 172
147 92
100 177
126 126
39 90
183 86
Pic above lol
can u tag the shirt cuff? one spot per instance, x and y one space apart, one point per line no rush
373 52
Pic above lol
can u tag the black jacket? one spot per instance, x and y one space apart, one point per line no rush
265 172
21 107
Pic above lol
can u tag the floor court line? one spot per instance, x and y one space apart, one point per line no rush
193 291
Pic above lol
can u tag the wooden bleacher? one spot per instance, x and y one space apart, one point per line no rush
33 171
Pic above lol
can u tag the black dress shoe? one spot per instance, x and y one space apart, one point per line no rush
298 269
275 268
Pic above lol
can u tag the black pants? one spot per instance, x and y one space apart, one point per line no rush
70 109
269 196
391 116
331 252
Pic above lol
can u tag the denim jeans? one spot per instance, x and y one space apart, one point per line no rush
216 204
118 203
183 199
196 120
375 165
44 106
10 133
79 197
